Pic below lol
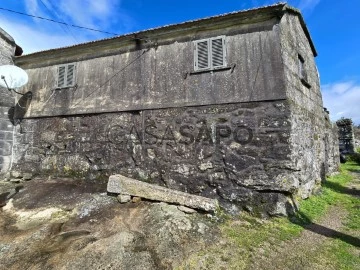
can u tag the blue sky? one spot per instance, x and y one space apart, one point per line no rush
334 26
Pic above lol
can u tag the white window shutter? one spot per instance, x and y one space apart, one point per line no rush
70 75
217 52
202 60
61 76
210 54
224 51
66 76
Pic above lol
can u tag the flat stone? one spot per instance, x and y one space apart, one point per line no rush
15 180
123 198
186 210
120 184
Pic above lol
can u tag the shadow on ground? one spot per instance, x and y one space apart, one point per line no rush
305 222
341 189
354 171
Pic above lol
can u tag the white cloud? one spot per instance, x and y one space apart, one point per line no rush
32 40
36 35
88 12
32 6
100 15
342 100
308 4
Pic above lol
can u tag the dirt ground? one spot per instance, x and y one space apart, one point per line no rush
67 224
306 251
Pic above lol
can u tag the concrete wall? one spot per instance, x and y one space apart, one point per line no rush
7 51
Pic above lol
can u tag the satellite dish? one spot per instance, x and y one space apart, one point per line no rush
12 77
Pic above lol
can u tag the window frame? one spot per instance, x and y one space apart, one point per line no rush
302 72
210 54
66 79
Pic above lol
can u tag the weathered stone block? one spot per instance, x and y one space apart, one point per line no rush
124 185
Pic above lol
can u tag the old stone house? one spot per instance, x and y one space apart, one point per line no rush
227 107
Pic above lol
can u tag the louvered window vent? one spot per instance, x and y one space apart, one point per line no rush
210 54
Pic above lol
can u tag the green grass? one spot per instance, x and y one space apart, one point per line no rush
248 233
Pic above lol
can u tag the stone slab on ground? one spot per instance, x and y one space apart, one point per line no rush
120 184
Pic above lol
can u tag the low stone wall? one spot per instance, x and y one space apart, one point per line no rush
237 153
7 50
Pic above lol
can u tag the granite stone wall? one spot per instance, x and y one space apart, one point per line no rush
237 153
313 137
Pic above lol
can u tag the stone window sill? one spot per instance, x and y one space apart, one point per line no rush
231 67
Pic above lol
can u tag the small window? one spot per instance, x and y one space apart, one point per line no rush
302 70
209 53
66 76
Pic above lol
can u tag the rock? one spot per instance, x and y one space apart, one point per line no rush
74 233
16 174
11 194
123 185
7 176
27 176
202 228
123 198
15 180
136 199
186 210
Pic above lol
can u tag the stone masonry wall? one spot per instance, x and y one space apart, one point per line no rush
7 50
312 135
237 153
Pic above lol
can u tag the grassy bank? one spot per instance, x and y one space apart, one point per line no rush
248 239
